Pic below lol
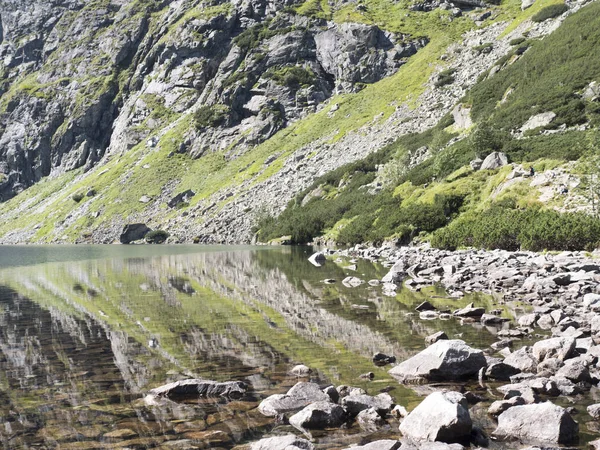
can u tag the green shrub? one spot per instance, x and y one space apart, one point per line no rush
156 236
550 12
545 78
77 197
292 76
517 41
211 116
484 48
511 229
445 77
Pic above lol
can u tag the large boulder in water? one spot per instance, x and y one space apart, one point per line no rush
540 423
442 416
300 395
444 360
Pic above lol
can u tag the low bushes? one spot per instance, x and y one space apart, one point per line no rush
512 229
157 237
550 12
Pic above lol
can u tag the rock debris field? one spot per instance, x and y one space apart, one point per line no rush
541 390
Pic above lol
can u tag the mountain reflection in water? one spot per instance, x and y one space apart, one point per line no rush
81 343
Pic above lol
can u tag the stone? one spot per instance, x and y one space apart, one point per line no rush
319 415
594 411
396 273
369 420
538 121
522 359
201 388
300 395
300 370
439 336
442 416
352 282
133 232
559 347
444 360
494 160
288 442
575 370
501 371
543 423
476 164
317 259
425 306
492 320
526 4
382 403
499 406
528 320
345 391
469 311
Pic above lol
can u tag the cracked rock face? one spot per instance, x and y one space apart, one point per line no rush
83 81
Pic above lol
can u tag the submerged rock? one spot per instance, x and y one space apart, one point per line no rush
202 388
444 360
289 442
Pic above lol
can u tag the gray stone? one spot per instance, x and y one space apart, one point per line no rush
444 360
538 423
594 411
382 403
493 161
369 419
560 348
499 406
442 416
319 415
538 121
299 396
317 259
522 359
439 336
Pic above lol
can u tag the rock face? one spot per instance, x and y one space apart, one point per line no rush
170 61
444 360
442 416
133 232
538 423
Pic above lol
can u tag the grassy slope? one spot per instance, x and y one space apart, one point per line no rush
123 180
547 77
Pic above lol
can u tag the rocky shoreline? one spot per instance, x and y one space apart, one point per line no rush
560 300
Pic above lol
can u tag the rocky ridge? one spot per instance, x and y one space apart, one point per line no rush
199 80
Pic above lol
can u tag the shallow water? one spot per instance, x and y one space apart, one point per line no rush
86 331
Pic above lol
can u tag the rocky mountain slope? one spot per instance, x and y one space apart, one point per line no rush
202 118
